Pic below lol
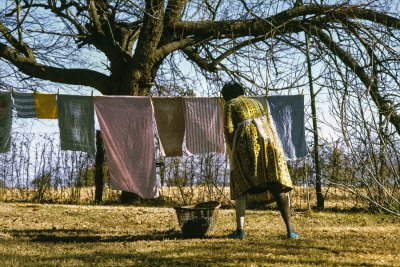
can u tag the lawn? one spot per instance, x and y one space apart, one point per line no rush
76 235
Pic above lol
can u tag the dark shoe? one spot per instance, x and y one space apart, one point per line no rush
292 235
238 234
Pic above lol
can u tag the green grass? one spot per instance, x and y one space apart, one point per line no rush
68 235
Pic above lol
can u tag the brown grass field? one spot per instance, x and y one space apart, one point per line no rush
301 197
78 235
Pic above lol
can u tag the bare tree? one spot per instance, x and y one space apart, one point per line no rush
133 47
365 159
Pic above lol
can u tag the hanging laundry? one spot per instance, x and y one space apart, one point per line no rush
203 125
287 112
76 123
264 103
126 124
45 106
5 121
24 104
170 121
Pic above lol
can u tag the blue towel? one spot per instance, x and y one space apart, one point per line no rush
287 112
5 121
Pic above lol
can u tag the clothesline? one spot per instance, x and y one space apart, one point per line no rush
126 123
168 112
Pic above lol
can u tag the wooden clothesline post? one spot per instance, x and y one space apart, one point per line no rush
99 165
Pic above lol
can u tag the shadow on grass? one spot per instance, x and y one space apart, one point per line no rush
89 236
224 252
258 251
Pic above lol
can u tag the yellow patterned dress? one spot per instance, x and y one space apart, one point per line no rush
258 163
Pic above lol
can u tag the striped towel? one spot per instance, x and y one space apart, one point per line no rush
5 121
45 106
170 120
24 104
203 125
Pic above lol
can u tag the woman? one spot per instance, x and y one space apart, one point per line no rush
258 163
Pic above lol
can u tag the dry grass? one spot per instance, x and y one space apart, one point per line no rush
301 197
69 235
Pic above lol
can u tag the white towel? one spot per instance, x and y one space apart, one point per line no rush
203 125
126 125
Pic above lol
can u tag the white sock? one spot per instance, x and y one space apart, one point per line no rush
240 206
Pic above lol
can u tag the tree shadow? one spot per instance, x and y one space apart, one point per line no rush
90 236
30 233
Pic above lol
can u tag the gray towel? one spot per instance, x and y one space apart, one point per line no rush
24 104
76 123
5 121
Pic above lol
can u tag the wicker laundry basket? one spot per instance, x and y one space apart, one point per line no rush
198 220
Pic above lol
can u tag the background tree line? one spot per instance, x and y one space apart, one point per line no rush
37 170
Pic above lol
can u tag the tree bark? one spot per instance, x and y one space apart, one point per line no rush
318 182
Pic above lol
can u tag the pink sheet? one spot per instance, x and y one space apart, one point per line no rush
127 128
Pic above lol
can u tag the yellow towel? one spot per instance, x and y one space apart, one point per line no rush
46 106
